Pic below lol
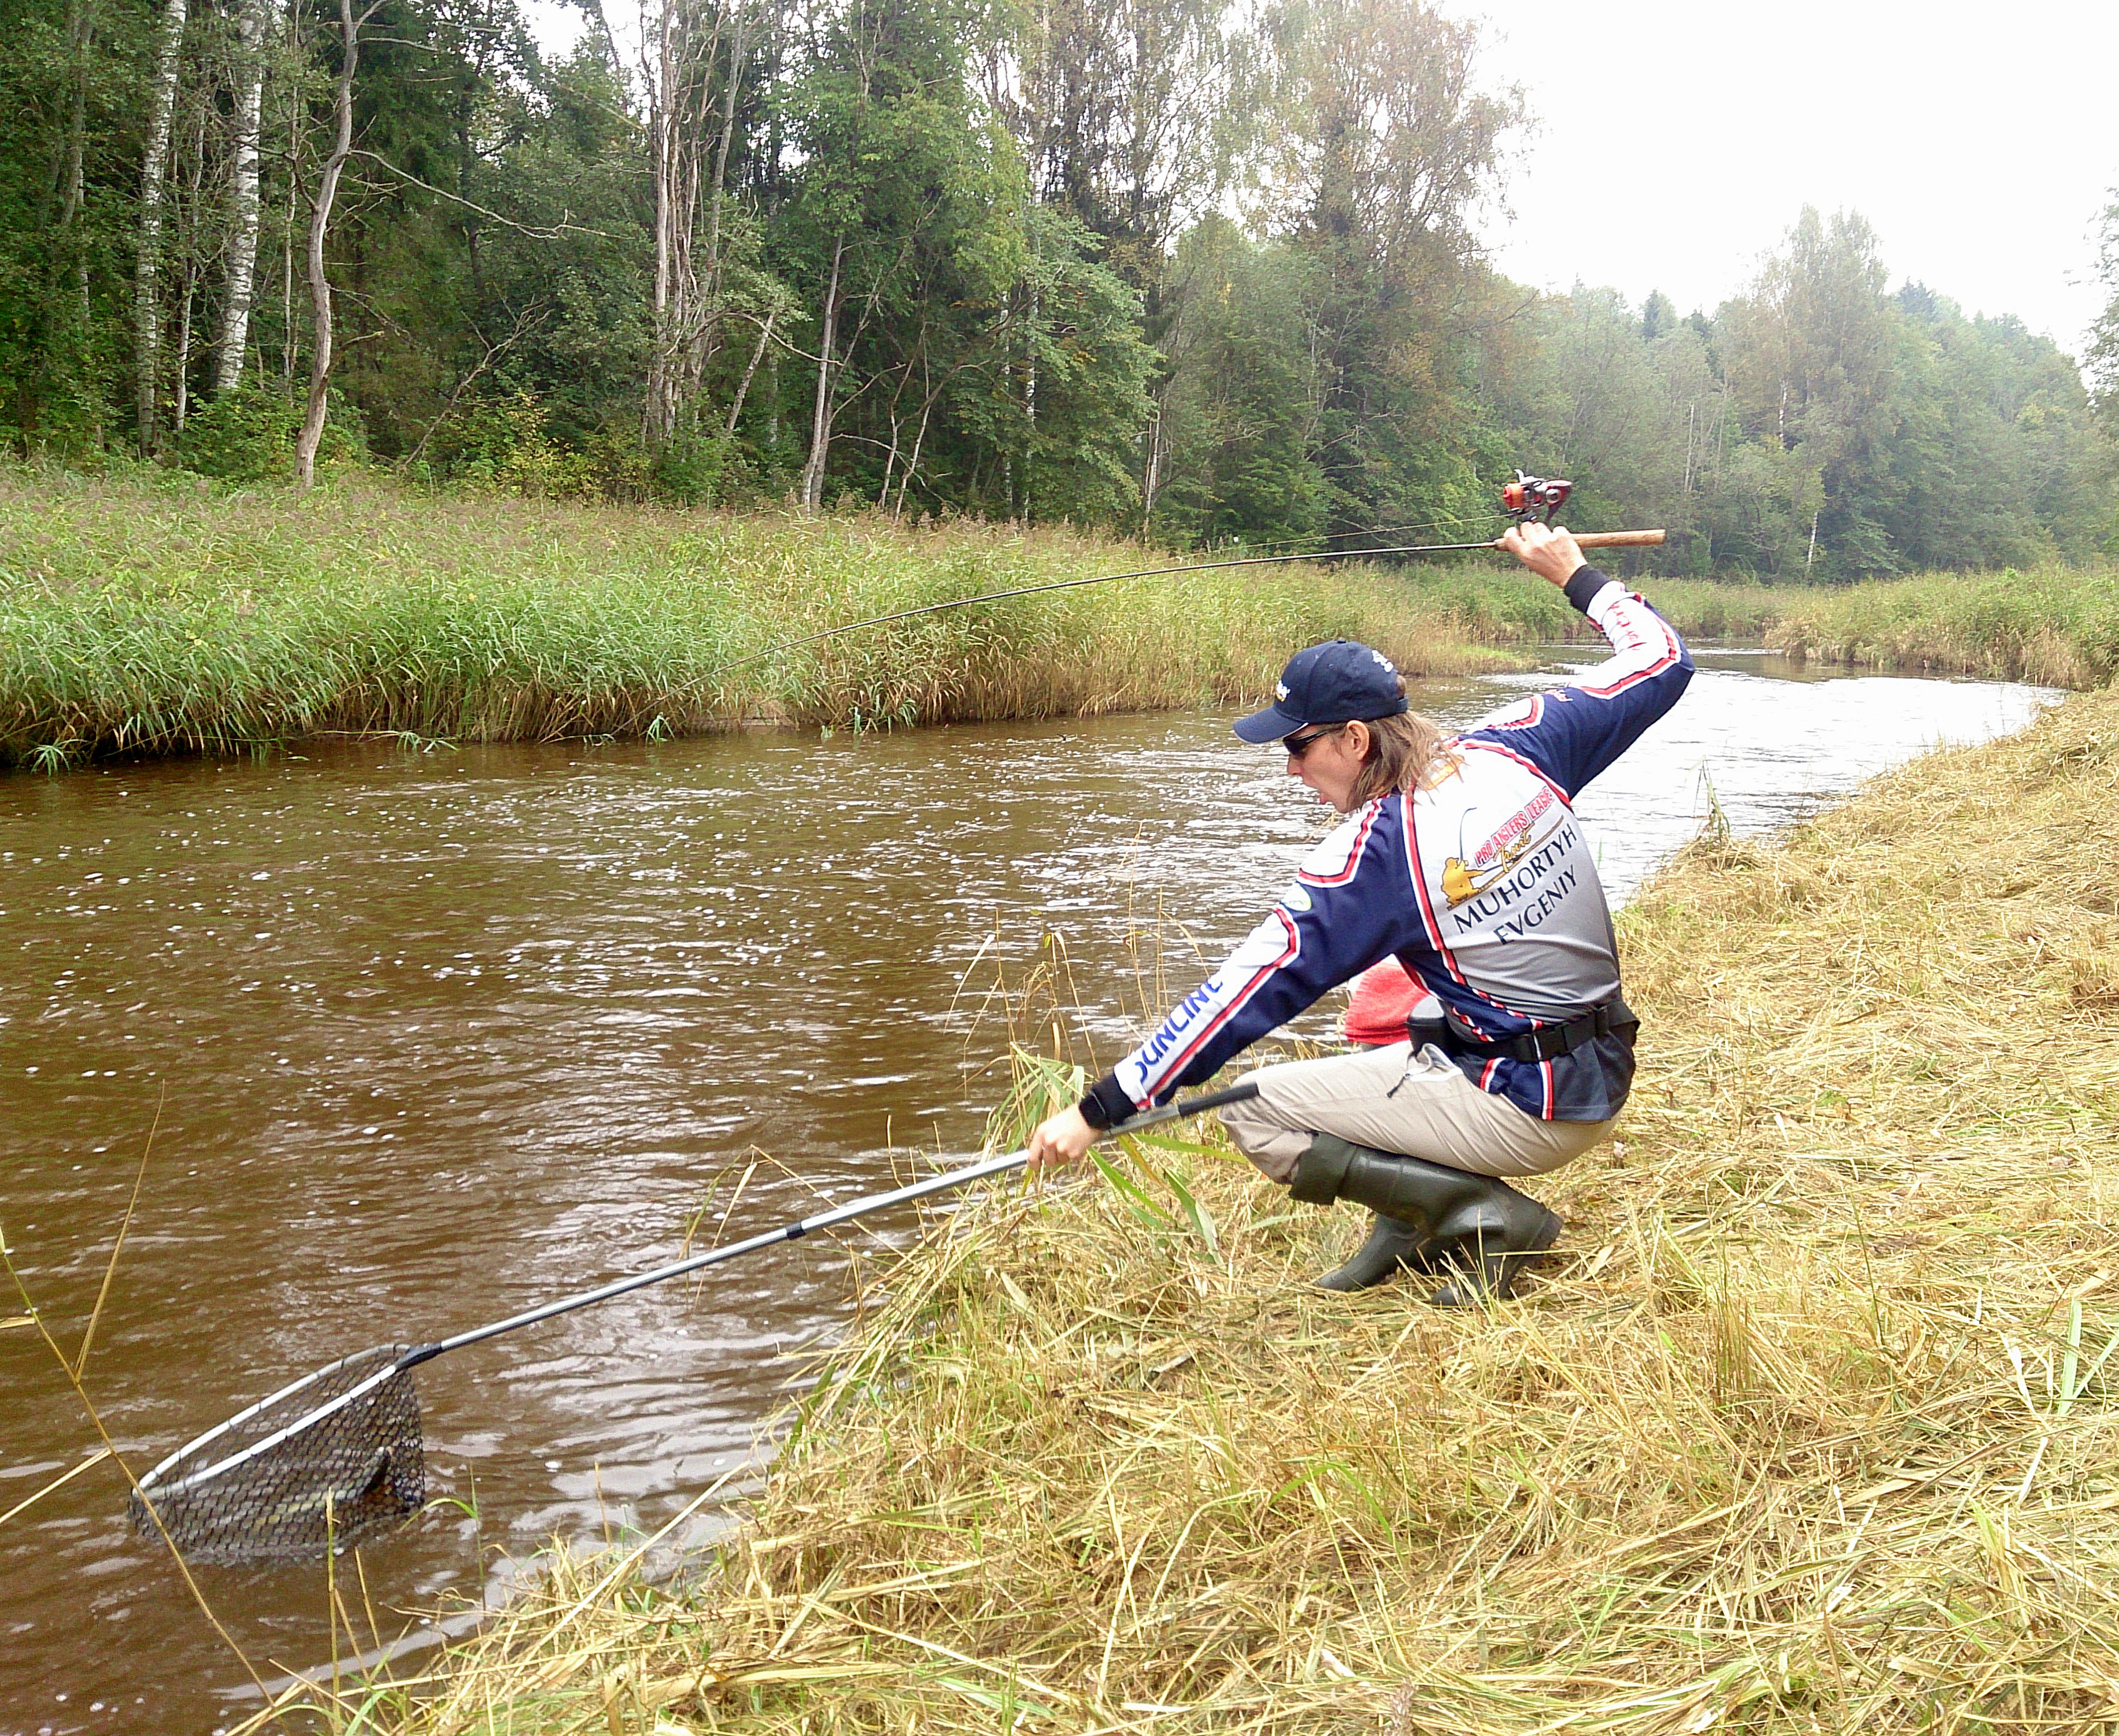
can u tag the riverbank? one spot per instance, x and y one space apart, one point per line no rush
2056 627
1809 1428
155 612
150 615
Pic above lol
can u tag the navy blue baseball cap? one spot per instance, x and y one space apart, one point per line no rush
1331 683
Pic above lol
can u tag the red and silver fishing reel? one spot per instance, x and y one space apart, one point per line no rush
1533 500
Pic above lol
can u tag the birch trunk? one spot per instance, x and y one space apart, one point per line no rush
294 108
757 355
695 44
820 421
78 36
912 464
320 291
147 265
658 413
244 209
730 85
182 381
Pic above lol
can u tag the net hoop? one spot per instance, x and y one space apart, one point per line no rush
323 1465
152 1484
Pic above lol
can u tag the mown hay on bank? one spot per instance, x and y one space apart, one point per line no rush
1811 1429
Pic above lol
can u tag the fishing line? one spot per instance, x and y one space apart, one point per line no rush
1103 578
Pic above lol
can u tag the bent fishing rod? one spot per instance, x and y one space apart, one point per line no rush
339 1457
1526 500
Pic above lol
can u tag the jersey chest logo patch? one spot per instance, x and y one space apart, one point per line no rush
1481 865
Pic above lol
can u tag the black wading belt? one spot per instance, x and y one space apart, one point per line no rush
1454 1034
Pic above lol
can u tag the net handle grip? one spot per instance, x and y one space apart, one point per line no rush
983 1170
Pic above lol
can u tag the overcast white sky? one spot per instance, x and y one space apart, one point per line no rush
1674 141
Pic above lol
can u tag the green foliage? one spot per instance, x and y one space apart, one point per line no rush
1817 428
549 286
2104 358
1237 409
247 435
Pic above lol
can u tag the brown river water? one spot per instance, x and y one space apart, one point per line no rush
437 1036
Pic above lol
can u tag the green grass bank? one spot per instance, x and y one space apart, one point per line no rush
152 616
155 612
1811 1425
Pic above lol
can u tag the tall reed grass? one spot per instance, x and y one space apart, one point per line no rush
2058 625
1809 1427
144 615
151 613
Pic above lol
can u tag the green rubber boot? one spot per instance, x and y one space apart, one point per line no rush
1481 1226
1393 1246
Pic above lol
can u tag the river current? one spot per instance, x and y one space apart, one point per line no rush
425 1039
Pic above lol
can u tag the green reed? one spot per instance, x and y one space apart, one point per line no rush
148 613
2054 624
142 614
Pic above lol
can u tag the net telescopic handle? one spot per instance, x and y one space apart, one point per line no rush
983 1170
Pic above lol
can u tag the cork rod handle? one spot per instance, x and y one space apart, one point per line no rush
1618 539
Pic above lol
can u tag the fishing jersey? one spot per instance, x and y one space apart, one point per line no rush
1483 887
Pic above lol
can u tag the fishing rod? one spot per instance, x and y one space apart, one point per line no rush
338 1456
1526 500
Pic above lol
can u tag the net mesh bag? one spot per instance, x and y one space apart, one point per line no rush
323 1465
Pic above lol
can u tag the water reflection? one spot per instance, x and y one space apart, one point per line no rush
443 1036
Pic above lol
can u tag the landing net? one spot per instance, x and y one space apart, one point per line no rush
323 1465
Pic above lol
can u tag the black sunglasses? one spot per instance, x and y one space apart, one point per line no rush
1298 744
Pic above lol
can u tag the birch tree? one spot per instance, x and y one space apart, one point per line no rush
694 57
1129 113
812 491
1393 142
245 209
147 264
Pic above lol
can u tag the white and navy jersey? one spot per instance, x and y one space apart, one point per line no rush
1483 887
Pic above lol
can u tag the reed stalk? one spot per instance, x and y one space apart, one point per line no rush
140 616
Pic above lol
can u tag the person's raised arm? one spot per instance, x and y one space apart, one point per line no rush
1573 733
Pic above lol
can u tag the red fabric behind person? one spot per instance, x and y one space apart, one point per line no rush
1383 998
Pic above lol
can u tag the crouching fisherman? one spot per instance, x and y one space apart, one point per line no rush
1461 857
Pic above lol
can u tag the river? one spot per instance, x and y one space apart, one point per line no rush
432 1037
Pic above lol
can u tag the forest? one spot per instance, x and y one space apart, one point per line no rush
1205 273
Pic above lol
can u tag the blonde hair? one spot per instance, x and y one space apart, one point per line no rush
1405 752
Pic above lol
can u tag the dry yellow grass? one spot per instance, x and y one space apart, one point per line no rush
1810 1428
